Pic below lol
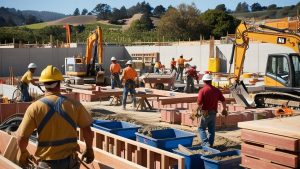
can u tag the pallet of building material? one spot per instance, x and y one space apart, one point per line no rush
271 143
170 115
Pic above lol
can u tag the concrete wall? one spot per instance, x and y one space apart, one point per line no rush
255 61
19 58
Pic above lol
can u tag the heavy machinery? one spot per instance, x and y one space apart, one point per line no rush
88 66
282 76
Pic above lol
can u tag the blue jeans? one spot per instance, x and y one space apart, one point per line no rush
129 87
180 72
67 163
189 87
115 81
208 122
156 70
25 94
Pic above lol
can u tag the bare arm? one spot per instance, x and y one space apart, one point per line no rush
88 136
22 143
33 83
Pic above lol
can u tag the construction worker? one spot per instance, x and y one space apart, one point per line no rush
55 119
173 65
25 80
191 74
129 76
115 70
181 66
208 98
157 66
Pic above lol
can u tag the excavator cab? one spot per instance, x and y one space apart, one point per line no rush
283 72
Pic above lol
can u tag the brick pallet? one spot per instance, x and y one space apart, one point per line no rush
271 143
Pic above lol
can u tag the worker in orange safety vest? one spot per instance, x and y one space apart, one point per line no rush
181 66
115 70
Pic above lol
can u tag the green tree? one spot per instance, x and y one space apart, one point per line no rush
103 11
159 11
84 11
30 20
218 23
256 7
143 24
123 12
242 7
221 7
76 12
181 23
272 7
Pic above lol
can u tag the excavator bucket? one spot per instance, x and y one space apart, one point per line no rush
241 95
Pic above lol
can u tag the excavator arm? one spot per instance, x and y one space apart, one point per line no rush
94 37
244 34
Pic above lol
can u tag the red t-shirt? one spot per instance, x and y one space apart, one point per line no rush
209 96
192 72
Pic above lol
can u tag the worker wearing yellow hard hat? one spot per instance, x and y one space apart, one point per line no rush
56 148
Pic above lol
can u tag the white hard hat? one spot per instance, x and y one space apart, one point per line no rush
129 62
207 77
113 58
32 66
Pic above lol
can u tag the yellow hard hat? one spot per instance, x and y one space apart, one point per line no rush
50 74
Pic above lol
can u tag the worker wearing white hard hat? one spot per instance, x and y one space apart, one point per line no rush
208 98
129 77
26 79
115 70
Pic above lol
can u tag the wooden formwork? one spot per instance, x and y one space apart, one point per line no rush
144 156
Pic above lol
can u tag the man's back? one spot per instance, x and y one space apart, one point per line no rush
209 96
56 129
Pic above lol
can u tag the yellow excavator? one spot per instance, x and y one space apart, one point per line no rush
88 66
282 76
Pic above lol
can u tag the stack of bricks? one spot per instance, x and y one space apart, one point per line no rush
262 150
9 109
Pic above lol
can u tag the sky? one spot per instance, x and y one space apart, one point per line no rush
68 6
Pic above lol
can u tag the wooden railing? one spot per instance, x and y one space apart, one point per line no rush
143 155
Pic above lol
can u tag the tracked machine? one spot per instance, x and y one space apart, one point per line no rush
282 75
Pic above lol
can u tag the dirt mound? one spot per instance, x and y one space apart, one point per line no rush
74 20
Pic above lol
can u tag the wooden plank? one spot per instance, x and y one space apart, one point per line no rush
188 98
164 162
280 142
11 149
150 159
7 164
253 163
273 156
288 126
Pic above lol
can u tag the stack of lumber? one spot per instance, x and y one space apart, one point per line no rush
271 143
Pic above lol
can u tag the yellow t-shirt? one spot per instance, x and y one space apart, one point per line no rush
57 127
27 77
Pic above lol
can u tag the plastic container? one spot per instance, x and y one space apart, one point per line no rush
234 163
119 128
195 161
167 139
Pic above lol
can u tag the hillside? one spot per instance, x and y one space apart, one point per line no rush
44 15
74 20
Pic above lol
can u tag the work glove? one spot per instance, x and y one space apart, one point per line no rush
224 112
23 158
204 113
88 155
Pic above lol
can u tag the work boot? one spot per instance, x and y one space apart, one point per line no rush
123 108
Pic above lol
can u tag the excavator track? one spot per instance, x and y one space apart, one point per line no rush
271 99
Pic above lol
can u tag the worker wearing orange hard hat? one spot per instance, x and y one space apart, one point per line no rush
181 64
129 76
55 119
115 70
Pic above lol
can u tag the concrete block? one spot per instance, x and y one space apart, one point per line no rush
253 163
269 155
6 110
170 115
247 115
187 121
232 119
280 142
21 107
